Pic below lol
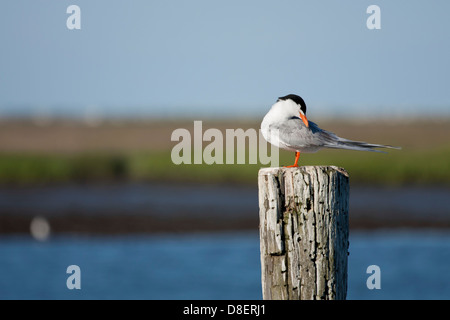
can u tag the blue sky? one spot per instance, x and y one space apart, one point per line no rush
234 57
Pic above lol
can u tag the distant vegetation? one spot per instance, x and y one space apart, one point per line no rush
395 168
73 153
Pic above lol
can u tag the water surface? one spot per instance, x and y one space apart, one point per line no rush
414 265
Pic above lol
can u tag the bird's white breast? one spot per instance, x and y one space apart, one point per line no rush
269 127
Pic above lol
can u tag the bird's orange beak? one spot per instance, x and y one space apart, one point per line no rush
305 121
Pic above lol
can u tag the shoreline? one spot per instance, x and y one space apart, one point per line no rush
115 224
164 207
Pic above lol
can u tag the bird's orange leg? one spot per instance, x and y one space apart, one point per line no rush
297 156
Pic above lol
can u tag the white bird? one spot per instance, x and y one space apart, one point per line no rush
286 127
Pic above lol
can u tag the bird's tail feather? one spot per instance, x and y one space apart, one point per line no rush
360 145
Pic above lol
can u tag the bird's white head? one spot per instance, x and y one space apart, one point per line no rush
291 106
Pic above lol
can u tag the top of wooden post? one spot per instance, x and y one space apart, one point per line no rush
277 170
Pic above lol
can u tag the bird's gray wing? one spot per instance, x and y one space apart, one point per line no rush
294 134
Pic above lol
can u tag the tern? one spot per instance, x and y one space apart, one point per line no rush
286 127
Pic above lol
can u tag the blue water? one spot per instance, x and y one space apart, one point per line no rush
413 264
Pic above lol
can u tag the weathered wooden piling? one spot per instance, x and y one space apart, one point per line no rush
303 228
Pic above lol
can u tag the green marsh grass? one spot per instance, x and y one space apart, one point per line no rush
398 167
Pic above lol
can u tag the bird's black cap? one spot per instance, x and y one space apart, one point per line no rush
297 99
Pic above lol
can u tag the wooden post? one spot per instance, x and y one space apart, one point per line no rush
303 228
